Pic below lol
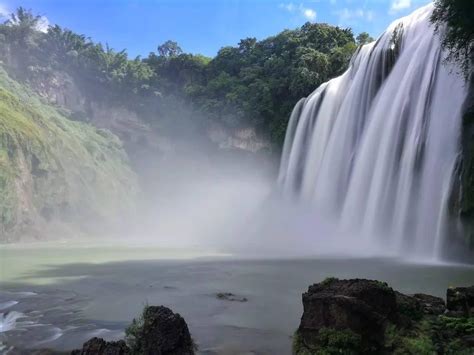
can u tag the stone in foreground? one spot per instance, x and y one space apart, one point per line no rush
98 346
460 300
368 317
360 308
160 332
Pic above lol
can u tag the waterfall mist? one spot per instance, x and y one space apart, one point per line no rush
366 169
371 153
202 198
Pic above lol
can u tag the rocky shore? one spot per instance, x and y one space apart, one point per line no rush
355 316
368 317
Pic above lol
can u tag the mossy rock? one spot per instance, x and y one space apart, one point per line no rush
342 317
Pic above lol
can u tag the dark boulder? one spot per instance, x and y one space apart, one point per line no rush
368 317
431 304
460 301
98 346
363 307
160 332
409 309
227 296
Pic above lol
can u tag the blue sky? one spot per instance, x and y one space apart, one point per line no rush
204 26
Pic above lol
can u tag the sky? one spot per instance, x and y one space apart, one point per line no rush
205 26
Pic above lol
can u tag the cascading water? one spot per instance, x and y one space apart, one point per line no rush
374 150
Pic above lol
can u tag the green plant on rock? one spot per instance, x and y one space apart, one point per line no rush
134 331
328 342
415 341
329 280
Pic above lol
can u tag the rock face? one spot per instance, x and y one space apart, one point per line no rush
160 332
368 317
98 346
460 300
361 306
430 304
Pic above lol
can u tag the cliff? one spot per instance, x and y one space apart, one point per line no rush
56 175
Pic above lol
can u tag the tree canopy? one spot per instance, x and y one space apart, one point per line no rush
255 82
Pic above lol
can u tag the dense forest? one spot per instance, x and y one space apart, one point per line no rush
255 82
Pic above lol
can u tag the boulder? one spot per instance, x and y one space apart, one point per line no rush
362 307
409 309
368 317
160 332
98 346
431 304
227 296
460 301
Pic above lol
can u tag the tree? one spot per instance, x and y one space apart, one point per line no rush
169 49
454 20
21 34
255 82
21 27
363 38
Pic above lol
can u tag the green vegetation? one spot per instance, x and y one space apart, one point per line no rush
53 169
430 335
133 332
415 341
159 330
330 342
458 37
329 280
255 83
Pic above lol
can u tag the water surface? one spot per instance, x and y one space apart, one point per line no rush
58 296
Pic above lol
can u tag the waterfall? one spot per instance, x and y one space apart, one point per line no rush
373 151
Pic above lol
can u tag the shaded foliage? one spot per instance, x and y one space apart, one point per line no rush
456 20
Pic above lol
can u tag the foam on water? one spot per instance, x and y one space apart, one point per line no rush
8 320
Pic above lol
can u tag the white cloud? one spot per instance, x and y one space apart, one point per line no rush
369 15
308 13
288 7
349 16
332 2
4 11
43 24
398 5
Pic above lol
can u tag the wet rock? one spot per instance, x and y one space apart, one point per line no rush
412 308
431 304
460 301
98 346
160 332
368 317
227 296
409 309
360 308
